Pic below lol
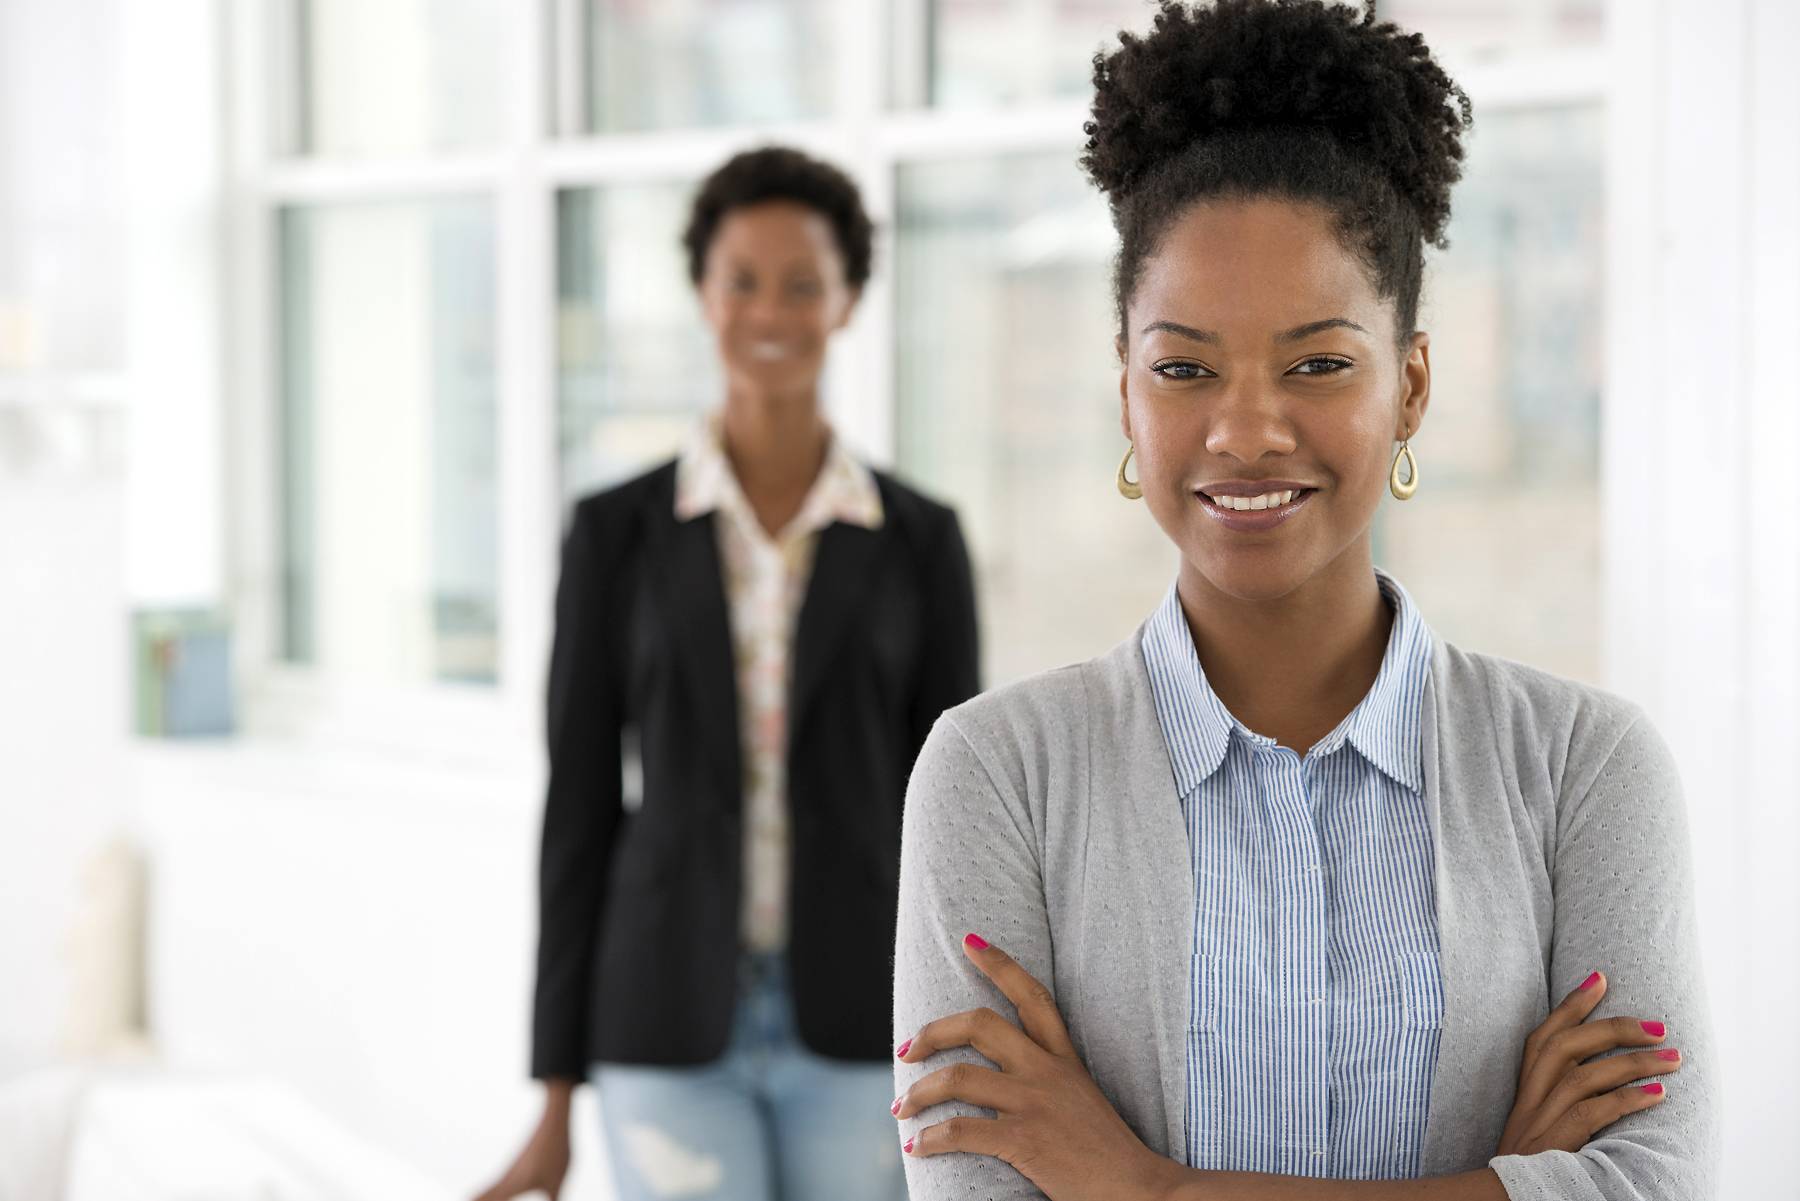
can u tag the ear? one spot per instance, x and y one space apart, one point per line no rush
703 296
1124 392
853 297
1415 386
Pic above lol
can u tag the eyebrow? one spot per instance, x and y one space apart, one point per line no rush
1291 335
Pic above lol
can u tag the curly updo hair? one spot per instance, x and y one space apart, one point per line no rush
782 173
1299 99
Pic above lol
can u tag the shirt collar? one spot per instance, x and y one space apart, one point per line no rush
845 490
1197 728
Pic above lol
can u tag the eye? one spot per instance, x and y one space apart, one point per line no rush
1327 366
805 287
1177 369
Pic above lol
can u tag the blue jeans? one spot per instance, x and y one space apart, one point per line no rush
768 1121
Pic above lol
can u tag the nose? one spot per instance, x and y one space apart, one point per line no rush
763 307
1248 423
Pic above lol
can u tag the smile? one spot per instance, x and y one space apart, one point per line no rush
1255 512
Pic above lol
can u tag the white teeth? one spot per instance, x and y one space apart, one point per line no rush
1246 504
768 350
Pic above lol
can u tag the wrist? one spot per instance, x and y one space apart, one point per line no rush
1160 1178
558 1096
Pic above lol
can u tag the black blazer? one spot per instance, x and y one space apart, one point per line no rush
638 937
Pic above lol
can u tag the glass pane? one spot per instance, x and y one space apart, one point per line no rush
1509 456
635 362
1008 402
679 63
1004 52
401 75
1485 27
388 440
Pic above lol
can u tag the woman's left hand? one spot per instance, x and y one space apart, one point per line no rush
1051 1123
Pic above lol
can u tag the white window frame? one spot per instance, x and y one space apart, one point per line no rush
523 175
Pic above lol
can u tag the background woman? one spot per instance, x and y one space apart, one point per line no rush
1280 888
763 631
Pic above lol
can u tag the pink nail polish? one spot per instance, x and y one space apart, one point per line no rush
1593 979
907 1146
1654 1029
1655 1090
1671 1055
895 1110
976 941
904 1048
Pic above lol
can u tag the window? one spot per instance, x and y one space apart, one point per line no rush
1003 53
1008 401
481 310
1509 453
1486 29
635 365
679 63
401 76
388 430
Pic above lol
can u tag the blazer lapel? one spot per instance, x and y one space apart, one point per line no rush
842 569
692 591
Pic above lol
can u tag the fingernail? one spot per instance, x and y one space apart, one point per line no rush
1592 980
1654 1029
1671 1055
1655 1090
907 1146
976 941
896 1108
904 1048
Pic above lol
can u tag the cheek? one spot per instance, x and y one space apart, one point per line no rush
1167 440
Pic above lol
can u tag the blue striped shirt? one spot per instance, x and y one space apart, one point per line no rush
1316 997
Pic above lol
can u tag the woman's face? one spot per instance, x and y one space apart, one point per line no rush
774 291
1258 359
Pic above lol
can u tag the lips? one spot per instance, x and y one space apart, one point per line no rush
1253 519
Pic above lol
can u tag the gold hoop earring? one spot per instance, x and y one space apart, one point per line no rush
1129 489
1404 491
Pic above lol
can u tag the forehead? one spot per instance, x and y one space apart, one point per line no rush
1249 264
776 230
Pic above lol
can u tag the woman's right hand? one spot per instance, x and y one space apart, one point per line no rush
1563 1099
544 1162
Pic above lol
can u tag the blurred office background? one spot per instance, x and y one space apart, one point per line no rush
314 317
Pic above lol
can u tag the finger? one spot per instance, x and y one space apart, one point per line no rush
1570 1012
1034 1001
996 1038
968 1082
1599 1076
1567 1049
1580 1123
979 1136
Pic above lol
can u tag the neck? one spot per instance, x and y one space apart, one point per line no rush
776 443
1292 667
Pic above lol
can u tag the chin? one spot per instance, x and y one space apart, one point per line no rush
778 377
1250 573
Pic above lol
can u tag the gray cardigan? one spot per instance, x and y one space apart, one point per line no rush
1043 816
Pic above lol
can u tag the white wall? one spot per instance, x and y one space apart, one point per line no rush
63 692
1703 499
362 929
62 721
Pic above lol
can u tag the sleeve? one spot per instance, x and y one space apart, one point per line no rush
967 863
582 807
950 669
1624 904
